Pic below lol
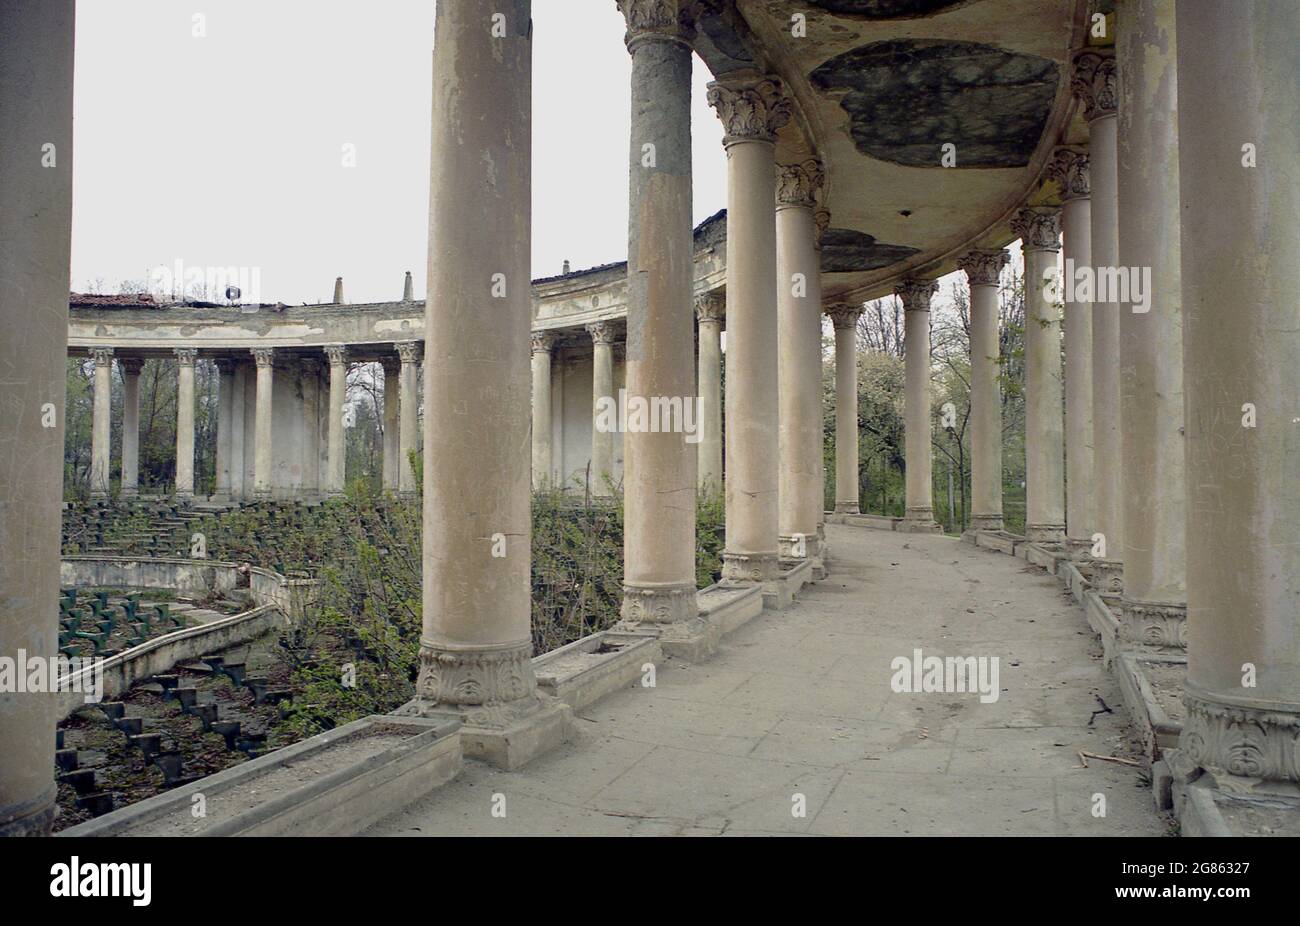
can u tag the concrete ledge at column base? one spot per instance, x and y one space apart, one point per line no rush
877 521
1049 556
1001 541
1075 583
517 743
583 672
778 593
122 671
1104 623
334 784
1152 688
905 526
729 607
1216 804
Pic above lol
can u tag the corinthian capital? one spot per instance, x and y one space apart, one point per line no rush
601 332
750 110
916 294
983 268
711 307
797 184
844 315
1093 82
409 351
264 356
543 341
1039 228
103 356
1069 168
186 356
656 19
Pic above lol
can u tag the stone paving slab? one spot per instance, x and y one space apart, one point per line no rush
796 713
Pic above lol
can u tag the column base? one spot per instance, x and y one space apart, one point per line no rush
1158 626
986 522
1079 548
693 640
919 521
1251 741
798 547
130 492
1045 533
492 690
1106 576
847 508
28 821
750 567
649 604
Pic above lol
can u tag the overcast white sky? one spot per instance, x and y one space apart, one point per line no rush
227 149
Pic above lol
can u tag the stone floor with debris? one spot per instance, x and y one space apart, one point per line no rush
796 713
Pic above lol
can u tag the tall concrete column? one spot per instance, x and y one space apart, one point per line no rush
543 342
185 360
799 361
821 222
603 335
130 368
408 288
1151 341
659 465
336 471
392 454
476 643
338 291
225 426
265 359
410 353
710 310
1093 82
1069 168
845 319
238 401
919 515
101 423
1039 230
752 110
36 228
983 270
1238 94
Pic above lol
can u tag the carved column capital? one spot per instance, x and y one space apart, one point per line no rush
544 341
185 356
983 267
1094 83
337 355
103 356
130 366
916 294
605 332
711 307
1250 740
844 315
1069 168
264 356
1038 228
656 20
798 184
752 109
409 351
821 222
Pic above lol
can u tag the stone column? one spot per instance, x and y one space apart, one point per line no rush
821 222
919 516
543 342
476 643
408 288
710 310
845 319
1039 230
101 425
1240 194
659 464
338 291
602 387
36 228
1151 341
392 453
752 110
984 272
225 426
185 360
799 361
265 359
336 472
1094 83
408 437
130 368
1069 168
238 400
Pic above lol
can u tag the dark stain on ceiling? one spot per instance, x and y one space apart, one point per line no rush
845 250
886 9
907 98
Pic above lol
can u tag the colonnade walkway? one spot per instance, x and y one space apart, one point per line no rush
799 702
